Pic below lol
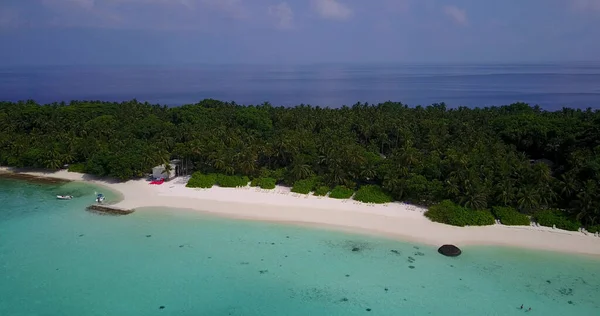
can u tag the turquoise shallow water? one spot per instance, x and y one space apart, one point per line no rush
58 259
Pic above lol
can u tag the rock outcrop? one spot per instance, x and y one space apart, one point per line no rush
450 250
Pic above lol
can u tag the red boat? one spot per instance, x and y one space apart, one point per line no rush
161 181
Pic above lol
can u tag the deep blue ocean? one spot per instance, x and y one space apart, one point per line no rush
551 86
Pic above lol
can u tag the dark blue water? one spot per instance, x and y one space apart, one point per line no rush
551 86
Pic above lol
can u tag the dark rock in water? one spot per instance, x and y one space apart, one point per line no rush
418 253
347 275
180 246
570 302
161 307
368 309
449 250
263 271
345 299
81 235
416 247
395 251
565 291
548 281
385 289
147 236
355 249
412 267
287 236
272 243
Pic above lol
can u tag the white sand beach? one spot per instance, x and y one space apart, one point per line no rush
396 220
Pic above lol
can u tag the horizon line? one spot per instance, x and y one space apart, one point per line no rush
316 63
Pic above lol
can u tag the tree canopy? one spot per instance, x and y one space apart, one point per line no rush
508 156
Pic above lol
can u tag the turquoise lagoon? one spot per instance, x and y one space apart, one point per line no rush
58 259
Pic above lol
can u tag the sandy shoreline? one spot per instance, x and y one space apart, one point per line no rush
395 220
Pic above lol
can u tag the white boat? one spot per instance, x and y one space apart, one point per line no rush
64 197
100 198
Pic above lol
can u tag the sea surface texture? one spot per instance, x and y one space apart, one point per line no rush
58 259
551 86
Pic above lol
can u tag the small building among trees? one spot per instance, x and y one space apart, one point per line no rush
167 171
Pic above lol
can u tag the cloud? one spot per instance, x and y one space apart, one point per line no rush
459 16
142 14
283 14
332 9
86 4
8 18
399 6
586 5
230 6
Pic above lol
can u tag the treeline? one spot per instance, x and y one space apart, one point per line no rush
515 156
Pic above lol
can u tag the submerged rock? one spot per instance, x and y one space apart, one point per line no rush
355 249
449 250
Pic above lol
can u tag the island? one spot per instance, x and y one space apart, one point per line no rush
509 175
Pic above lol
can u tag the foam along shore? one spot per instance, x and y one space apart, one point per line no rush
396 220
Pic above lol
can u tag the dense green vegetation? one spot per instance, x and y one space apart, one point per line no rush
204 181
510 216
372 194
448 212
556 218
231 181
264 183
201 180
304 186
341 192
321 191
511 156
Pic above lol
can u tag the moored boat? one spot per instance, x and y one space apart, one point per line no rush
64 197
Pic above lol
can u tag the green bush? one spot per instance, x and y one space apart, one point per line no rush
199 180
341 192
77 167
556 217
226 181
304 186
510 216
449 213
372 194
321 191
593 229
263 183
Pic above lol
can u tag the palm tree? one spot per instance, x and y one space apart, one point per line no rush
528 199
168 169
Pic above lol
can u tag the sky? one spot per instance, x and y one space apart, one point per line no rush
98 32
